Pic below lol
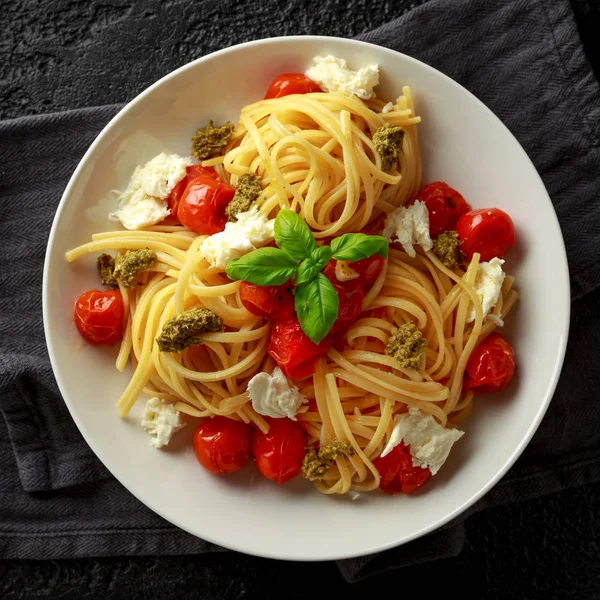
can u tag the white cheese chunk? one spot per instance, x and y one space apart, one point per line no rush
143 203
251 230
333 75
428 441
389 107
272 396
488 285
161 421
496 320
410 226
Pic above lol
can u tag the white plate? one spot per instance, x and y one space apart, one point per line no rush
464 144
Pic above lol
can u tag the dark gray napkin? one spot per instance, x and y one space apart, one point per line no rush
524 59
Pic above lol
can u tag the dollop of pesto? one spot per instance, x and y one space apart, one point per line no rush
186 329
317 462
209 140
106 268
407 346
447 248
132 262
388 142
247 190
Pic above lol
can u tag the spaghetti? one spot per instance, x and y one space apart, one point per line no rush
313 154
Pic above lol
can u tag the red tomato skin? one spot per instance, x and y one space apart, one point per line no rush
294 352
445 206
271 302
291 83
202 205
491 366
489 231
398 474
279 452
369 269
192 172
222 445
99 316
351 297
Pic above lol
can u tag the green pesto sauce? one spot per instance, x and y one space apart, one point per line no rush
388 143
317 462
247 190
186 329
106 268
447 248
407 346
132 262
209 140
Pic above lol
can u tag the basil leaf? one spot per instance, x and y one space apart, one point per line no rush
306 271
266 266
317 307
293 235
321 256
356 246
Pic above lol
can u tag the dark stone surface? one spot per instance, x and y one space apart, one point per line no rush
60 54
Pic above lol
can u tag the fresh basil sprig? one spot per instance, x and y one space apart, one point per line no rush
299 257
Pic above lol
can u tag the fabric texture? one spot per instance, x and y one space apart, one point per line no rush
523 58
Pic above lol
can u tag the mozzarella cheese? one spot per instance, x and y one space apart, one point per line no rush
251 230
143 203
389 107
410 226
161 421
496 320
428 441
333 75
488 285
272 396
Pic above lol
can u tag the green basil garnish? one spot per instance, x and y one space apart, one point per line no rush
317 307
266 266
356 246
293 235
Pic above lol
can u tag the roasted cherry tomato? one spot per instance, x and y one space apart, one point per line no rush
489 231
202 205
397 472
279 452
491 366
351 298
271 302
293 350
222 445
99 316
192 172
291 83
445 206
369 269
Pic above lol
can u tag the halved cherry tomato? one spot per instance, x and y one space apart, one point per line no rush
291 83
489 231
491 366
99 316
222 445
192 172
202 206
397 472
369 269
293 350
271 302
445 206
279 452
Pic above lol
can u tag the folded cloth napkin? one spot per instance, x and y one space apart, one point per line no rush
524 59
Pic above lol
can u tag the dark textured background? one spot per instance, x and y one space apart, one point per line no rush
61 54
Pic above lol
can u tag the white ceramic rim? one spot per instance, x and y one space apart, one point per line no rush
561 269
